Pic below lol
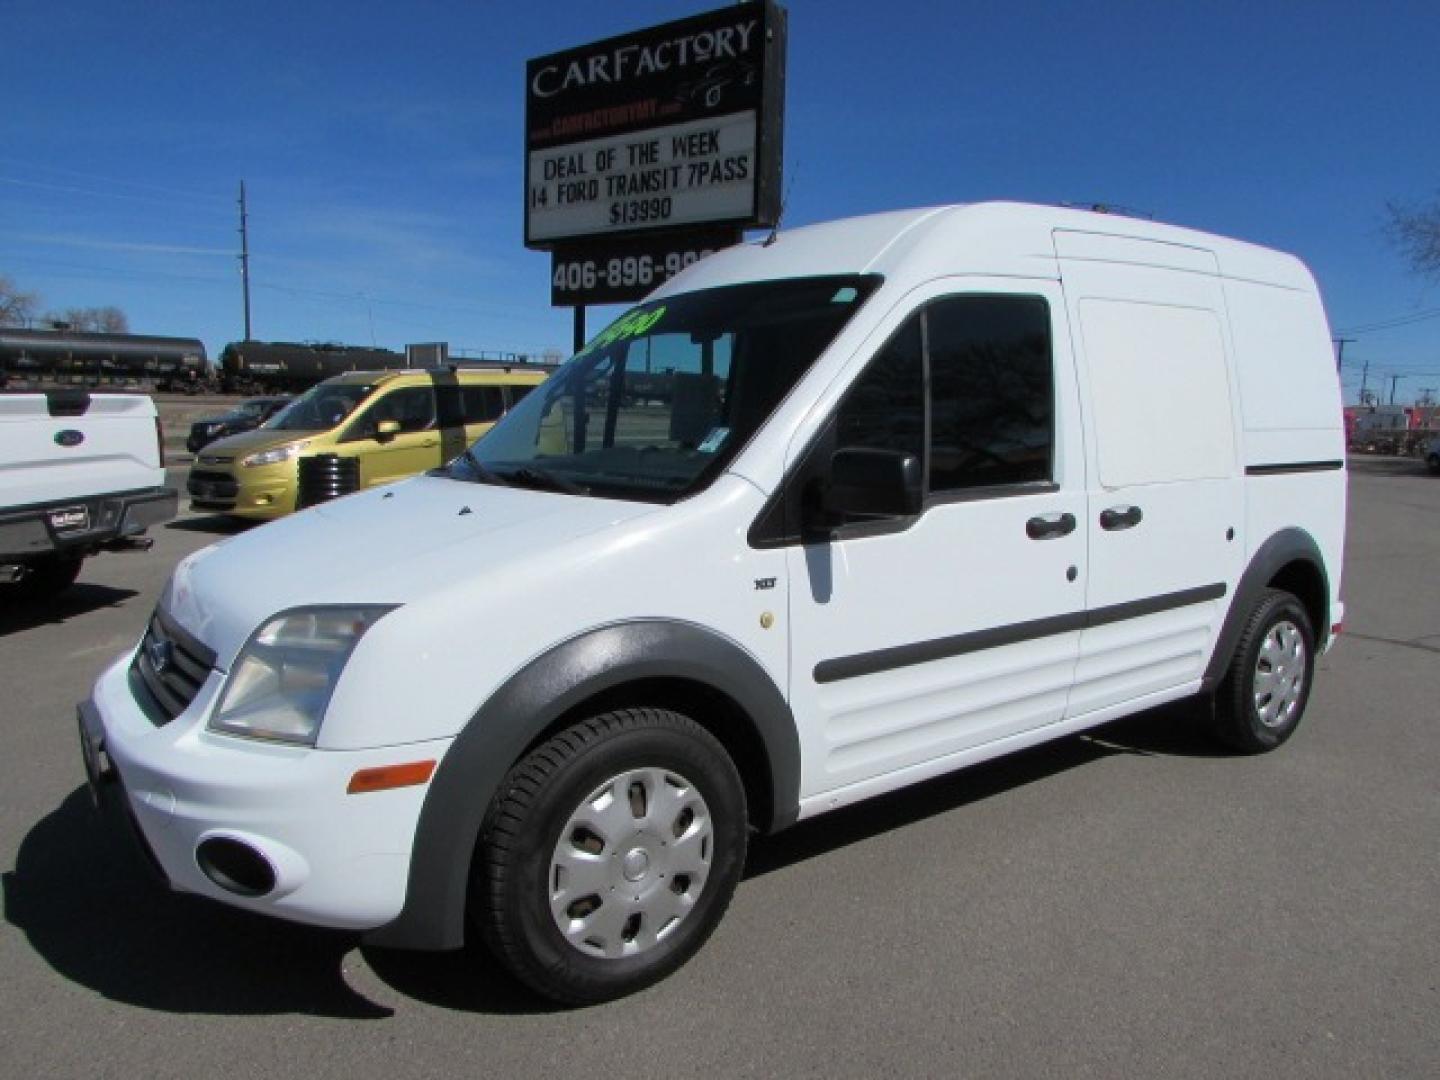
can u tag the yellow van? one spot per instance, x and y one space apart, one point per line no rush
396 423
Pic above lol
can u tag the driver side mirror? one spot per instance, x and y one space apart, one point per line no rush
386 430
868 483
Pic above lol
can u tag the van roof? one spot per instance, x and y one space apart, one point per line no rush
993 238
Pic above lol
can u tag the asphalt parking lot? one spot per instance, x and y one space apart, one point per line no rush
1129 903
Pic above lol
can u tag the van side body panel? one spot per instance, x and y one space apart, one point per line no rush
1292 430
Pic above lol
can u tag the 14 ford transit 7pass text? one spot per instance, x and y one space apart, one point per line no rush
822 518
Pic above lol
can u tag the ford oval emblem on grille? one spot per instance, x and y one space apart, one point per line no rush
160 653
69 437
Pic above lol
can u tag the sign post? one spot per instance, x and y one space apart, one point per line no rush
646 152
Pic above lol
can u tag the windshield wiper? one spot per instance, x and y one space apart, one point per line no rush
543 478
481 473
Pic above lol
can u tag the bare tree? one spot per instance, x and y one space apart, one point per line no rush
16 308
111 320
101 320
1415 230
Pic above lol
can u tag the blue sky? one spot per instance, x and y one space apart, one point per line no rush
381 145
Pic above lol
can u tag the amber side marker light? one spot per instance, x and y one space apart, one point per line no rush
390 776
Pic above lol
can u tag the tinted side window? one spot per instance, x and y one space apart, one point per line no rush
991 391
885 409
483 404
413 407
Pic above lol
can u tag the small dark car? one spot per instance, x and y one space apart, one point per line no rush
248 415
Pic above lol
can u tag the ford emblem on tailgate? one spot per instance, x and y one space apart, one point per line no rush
69 437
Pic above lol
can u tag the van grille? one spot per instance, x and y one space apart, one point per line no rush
169 669
212 486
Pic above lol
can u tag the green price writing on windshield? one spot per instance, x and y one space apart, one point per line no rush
631 324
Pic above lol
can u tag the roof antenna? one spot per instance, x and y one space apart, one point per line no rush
784 202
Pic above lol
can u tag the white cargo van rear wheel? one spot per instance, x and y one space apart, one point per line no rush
1263 696
609 854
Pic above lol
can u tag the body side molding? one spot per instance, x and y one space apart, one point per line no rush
1282 468
529 702
920 652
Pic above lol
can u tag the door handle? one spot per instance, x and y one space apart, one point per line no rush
1120 517
1047 526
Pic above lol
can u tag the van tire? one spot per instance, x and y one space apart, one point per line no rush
1259 703
679 783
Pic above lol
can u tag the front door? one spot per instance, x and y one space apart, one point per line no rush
917 639
411 450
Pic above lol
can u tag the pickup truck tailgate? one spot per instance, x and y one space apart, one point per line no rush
69 444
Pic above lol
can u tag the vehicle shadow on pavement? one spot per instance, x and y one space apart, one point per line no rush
83 897
215 524
79 599
466 980
1167 731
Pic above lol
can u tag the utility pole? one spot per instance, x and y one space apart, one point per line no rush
245 258
1340 343
1394 381
1364 377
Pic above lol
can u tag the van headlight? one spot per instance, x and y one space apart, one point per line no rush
280 684
275 455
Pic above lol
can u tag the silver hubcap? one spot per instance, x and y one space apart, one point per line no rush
631 863
1280 675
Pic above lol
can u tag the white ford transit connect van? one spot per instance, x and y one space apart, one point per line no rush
822 518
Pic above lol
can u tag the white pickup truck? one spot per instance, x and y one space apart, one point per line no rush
79 473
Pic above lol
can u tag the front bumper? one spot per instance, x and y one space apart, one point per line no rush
82 525
338 860
263 493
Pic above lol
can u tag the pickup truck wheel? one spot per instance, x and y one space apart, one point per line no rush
609 854
49 578
1260 702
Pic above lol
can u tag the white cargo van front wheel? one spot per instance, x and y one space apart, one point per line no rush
609 854
1263 697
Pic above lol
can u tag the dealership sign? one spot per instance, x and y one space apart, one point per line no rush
677 127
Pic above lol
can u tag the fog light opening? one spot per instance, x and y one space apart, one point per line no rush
235 866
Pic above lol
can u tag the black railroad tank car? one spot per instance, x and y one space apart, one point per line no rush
75 356
261 366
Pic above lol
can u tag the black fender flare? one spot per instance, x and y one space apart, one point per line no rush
1286 546
529 702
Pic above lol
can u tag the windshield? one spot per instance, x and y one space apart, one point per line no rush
661 399
247 410
319 408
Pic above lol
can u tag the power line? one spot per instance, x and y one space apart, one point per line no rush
34 167
1389 324
67 189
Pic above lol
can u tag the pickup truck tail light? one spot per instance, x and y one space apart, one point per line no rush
160 442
